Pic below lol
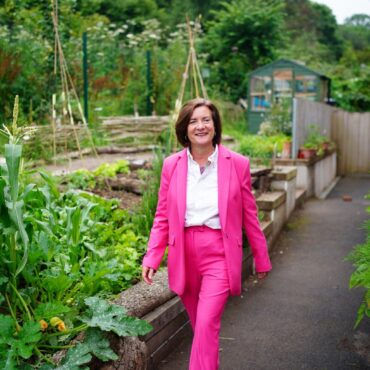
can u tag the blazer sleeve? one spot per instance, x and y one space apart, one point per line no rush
159 233
255 235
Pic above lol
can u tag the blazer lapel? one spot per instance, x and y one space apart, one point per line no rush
182 171
223 181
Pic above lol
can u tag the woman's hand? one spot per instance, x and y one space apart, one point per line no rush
147 273
261 275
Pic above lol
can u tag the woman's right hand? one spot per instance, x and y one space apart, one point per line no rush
147 273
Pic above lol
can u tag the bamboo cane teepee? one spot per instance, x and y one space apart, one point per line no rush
68 92
192 70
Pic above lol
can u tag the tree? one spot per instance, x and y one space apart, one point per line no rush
327 29
243 35
306 20
356 31
358 20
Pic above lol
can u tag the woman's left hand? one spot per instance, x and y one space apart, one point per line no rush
261 275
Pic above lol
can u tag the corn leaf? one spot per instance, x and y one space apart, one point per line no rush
13 158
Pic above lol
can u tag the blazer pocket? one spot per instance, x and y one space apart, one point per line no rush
171 240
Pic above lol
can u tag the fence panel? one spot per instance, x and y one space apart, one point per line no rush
306 113
350 132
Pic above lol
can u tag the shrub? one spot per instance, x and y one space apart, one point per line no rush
360 257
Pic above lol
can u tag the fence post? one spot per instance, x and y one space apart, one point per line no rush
85 76
294 129
149 105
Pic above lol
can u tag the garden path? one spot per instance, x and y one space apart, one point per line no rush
302 315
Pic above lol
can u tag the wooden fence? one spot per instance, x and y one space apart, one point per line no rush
125 131
350 132
306 113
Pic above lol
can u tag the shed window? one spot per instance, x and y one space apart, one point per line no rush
306 87
260 93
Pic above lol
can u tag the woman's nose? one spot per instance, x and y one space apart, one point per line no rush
199 124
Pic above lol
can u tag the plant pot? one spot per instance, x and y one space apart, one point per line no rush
287 150
305 153
326 147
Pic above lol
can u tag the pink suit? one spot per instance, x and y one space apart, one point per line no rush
237 210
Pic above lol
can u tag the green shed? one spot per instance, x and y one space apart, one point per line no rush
281 80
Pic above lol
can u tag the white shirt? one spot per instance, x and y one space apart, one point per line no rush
202 193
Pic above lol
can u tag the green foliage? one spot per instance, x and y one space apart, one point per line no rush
352 87
85 179
250 32
143 218
315 139
360 257
356 31
278 119
110 317
58 249
261 148
95 343
309 23
17 343
112 169
238 36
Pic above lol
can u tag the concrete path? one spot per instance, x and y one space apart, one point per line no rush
302 315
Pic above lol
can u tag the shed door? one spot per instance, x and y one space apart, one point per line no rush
283 85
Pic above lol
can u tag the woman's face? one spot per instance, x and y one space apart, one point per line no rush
201 129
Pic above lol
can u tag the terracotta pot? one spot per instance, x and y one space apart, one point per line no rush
306 153
325 146
287 150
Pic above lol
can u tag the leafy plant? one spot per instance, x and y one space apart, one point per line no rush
360 257
278 119
55 254
84 179
261 147
315 139
144 215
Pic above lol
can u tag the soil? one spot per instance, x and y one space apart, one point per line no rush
128 200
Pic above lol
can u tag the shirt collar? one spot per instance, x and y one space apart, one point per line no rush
211 159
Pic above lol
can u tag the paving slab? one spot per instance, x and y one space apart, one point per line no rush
302 315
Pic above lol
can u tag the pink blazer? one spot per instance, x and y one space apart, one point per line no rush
237 209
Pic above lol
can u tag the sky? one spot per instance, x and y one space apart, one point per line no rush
343 9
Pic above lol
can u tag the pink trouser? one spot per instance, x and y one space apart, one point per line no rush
206 292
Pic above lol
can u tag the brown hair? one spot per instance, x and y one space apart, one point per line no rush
185 114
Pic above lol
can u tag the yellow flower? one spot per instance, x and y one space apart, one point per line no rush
55 321
44 325
61 326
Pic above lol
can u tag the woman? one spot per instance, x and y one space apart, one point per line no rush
204 201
